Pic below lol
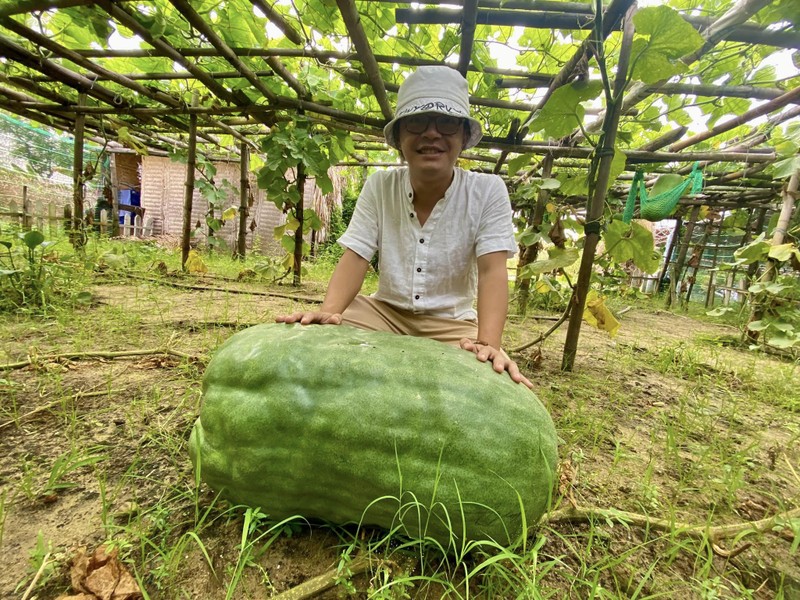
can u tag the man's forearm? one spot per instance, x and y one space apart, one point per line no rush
492 298
345 283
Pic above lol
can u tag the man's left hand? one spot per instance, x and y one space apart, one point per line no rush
497 356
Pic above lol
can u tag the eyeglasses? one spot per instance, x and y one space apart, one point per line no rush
445 124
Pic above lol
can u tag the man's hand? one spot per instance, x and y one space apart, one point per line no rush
307 318
499 359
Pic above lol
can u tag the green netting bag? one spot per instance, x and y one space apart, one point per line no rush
661 205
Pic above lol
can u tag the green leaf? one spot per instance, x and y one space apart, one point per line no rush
757 325
783 252
32 239
287 242
785 167
755 251
557 259
782 341
549 183
229 213
663 37
516 163
563 111
634 242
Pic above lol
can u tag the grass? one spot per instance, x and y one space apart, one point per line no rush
685 429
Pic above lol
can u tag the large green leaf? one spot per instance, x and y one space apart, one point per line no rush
634 242
557 259
663 37
563 111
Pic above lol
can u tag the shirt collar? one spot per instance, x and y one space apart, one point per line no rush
408 190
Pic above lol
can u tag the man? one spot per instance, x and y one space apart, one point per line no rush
441 233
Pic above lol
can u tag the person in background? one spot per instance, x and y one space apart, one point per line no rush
442 234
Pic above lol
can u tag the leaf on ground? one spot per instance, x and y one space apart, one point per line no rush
101 576
194 263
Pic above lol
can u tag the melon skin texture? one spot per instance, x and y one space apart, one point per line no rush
342 425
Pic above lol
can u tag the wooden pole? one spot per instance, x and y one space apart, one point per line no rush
673 239
752 270
114 231
697 259
298 234
244 196
26 210
191 164
712 273
770 271
530 253
677 268
596 204
77 234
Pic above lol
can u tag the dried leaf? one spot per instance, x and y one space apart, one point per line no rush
101 576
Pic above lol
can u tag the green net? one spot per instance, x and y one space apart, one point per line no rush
661 205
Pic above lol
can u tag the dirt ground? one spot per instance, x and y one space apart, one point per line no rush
665 419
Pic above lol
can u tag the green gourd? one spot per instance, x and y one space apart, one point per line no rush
341 425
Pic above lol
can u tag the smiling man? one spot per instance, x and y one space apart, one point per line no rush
442 234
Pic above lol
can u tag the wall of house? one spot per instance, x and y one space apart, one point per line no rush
163 185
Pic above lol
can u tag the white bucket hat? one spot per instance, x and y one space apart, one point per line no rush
434 89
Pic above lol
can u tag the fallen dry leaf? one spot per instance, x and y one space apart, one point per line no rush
101 576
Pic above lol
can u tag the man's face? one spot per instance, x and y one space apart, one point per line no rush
431 143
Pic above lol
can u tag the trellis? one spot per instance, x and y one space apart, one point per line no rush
47 80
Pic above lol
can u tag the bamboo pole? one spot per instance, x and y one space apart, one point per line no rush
673 239
469 18
767 107
782 228
244 200
677 267
594 209
27 218
530 253
191 164
752 270
77 234
357 34
712 275
297 267
696 260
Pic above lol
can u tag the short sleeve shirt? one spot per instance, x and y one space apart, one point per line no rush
431 269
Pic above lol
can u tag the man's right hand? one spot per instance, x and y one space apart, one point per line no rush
307 318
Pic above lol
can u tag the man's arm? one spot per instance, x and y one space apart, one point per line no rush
345 283
492 313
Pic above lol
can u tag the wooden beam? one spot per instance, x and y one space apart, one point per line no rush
29 6
352 21
195 20
277 19
56 72
730 31
767 107
665 140
469 18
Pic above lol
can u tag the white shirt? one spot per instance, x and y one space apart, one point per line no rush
431 269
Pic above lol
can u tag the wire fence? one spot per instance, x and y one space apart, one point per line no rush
36 165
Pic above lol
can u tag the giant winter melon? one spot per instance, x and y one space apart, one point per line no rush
342 425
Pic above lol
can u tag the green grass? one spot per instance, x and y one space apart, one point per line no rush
694 430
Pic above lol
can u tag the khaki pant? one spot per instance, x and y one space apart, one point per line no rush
368 313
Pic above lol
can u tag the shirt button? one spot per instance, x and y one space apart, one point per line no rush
416 297
422 241
419 270
410 194
411 215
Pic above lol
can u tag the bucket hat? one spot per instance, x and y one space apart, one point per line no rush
434 89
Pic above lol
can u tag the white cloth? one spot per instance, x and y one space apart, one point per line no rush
431 269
